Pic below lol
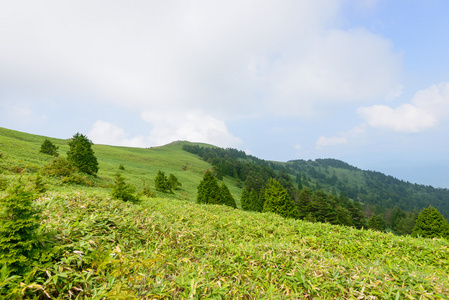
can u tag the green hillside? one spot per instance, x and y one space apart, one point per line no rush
20 151
95 247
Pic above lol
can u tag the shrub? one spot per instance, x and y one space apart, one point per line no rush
121 167
81 154
49 148
39 185
75 178
208 189
431 224
122 190
19 222
59 167
146 190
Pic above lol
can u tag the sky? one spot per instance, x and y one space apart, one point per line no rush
364 81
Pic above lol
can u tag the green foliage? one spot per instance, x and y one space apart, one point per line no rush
146 191
49 148
431 224
19 222
376 222
161 183
244 199
173 182
208 190
3 182
121 167
122 190
277 200
163 249
39 184
59 167
226 197
81 154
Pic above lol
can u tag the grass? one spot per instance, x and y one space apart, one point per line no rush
171 247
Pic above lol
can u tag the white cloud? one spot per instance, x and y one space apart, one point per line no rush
427 108
297 147
332 141
229 58
342 138
193 126
109 134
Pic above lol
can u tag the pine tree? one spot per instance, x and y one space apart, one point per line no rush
208 190
173 182
81 154
244 200
255 202
431 224
122 190
19 222
161 183
49 148
358 218
226 197
304 203
376 222
277 200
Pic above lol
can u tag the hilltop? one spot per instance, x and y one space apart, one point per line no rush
167 246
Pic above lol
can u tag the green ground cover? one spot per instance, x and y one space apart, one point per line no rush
170 247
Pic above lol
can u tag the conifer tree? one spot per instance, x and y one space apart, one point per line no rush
358 218
244 200
81 154
122 190
49 148
376 222
304 203
226 196
19 222
431 224
174 182
208 190
256 202
277 200
161 183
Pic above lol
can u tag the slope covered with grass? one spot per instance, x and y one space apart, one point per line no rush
163 247
166 248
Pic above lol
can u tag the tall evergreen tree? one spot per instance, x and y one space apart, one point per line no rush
81 154
277 200
244 200
431 224
208 190
358 218
304 203
226 196
256 200
376 222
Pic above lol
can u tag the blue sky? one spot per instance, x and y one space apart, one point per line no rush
365 81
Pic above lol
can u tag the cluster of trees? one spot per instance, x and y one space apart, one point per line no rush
307 205
80 155
210 192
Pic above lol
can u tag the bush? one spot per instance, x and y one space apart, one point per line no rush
81 154
121 167
49 148
161 183
146 190
122 190
19 222
59 167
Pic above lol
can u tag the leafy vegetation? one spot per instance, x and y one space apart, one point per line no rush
49 148
81 154
99 247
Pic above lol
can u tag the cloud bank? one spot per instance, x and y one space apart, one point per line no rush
427 108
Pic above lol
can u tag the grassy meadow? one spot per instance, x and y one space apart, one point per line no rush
169 247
